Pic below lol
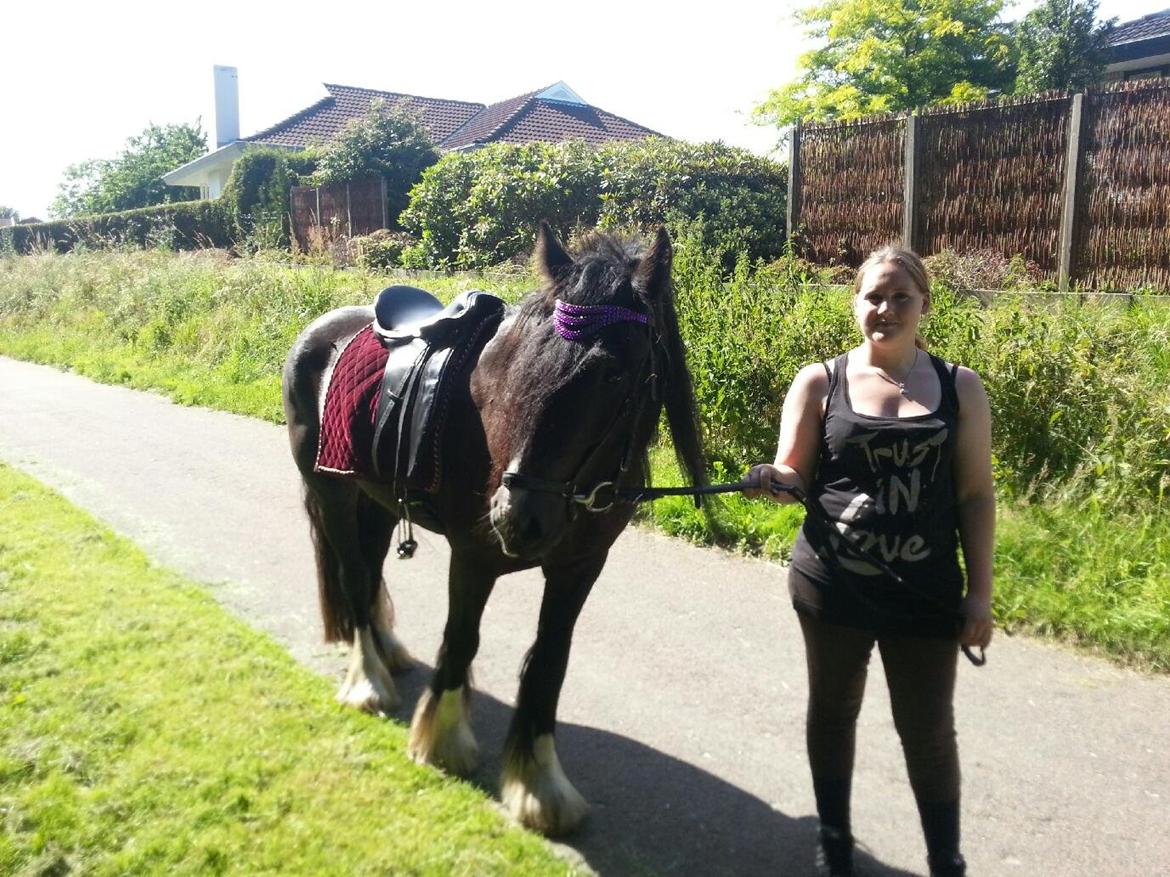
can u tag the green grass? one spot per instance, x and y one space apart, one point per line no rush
145 731
1081 395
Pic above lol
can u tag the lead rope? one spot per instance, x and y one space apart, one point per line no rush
406 543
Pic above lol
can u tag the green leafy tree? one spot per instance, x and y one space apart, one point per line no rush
1061 46
390 142
9 213
134 178
879 56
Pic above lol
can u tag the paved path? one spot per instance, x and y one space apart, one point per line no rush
683 708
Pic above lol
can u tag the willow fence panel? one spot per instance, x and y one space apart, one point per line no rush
1079 185
850 190
992 179
339 210
1123 228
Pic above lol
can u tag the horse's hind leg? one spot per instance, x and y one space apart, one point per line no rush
376 534
349 590
534 788
440 733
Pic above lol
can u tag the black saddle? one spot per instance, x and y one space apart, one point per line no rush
430 346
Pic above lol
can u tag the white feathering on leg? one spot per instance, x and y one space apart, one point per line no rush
538 794
441 735
368 685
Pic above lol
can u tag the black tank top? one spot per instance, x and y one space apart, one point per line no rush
887 484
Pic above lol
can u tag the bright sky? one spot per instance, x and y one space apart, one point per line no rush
82 77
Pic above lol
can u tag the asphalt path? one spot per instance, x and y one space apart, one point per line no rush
681 720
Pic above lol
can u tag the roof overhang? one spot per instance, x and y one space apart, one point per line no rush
196 172
1137 50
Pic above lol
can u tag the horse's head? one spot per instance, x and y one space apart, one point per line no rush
572 387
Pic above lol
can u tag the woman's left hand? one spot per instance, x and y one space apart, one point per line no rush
978 622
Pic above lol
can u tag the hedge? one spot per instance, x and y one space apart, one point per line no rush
473 210
185 225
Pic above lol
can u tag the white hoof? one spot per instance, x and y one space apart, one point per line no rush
441 735
537 793
368 685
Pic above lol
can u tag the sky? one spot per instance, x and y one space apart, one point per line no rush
82 77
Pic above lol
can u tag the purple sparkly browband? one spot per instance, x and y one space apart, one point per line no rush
575 322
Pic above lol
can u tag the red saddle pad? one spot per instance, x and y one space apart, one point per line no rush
351 408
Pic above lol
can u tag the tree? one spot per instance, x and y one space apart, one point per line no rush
134 178
882 56
389 142
9 213
1061 46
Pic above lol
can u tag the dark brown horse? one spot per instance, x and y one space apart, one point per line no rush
564 397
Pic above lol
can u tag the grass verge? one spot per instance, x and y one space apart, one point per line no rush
146 731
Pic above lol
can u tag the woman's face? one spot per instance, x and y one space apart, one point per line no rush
888 306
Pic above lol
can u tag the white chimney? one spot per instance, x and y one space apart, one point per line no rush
227 105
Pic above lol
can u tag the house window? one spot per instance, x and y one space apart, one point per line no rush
1147 73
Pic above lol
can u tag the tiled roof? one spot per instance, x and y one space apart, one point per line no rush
528 118
456 124
1147 27
325 119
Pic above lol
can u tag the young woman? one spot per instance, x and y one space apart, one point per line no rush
895 446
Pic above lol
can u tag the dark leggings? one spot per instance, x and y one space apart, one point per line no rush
920 674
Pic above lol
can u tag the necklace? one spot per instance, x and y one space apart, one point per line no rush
901 385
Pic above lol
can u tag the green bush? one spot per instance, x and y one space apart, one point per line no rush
187 225
388 142
473 210
477 209
257 193
380 250
739 199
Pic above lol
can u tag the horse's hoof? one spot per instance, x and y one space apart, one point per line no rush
441 735
538 795
368 685
368 697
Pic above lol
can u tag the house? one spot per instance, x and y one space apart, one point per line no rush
1140 49
551 114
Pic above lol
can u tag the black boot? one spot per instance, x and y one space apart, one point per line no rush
834 852
950 865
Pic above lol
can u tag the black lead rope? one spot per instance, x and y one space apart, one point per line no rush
648 494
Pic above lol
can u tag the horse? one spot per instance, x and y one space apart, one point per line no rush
548 425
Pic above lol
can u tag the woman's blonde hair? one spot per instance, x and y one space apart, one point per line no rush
909 262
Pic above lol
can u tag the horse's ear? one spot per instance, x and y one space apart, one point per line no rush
552 260
653 274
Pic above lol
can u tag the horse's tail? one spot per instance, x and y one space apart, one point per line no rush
336 604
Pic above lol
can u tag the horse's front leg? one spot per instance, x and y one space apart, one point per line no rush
440 733
534 788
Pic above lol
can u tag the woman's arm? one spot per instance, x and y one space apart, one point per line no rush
975 496
800 437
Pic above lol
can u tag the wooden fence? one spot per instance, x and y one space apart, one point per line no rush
321 215
1077 184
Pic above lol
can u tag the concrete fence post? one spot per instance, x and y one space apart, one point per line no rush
1072 181
910 163
793 218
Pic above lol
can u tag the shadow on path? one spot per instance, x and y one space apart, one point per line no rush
651 813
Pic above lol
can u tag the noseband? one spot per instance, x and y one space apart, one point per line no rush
579 323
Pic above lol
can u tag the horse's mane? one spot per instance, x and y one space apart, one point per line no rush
603 272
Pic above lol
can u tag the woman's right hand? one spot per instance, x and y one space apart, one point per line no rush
761 477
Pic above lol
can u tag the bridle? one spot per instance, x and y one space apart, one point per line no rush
580 323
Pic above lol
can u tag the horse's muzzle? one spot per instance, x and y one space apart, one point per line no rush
527 523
